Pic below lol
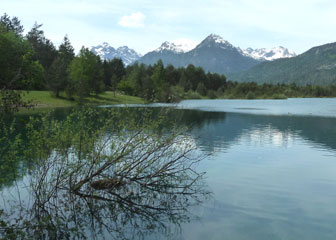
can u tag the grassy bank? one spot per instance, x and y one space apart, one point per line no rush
43 99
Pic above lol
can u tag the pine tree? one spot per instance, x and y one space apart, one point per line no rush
12 24
66 51
44 49
58 77
86 75
158 76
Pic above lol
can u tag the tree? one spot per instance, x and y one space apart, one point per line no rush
58 78
148 87
172 75
79 82
201 89
184 82
158 76
18 69
45 51
11 24
66 51
86 75
12 50
114 71
105 172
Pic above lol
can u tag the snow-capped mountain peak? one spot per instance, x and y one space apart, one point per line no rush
182 45
217 41
264 54
107 52
185 44
169 46
105 44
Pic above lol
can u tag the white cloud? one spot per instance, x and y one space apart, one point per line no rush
298 24
135 20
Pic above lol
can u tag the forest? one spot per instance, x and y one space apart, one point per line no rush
33 62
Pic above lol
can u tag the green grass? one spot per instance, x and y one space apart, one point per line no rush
110 98
44 99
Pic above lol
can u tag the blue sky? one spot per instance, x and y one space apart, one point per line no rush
144 24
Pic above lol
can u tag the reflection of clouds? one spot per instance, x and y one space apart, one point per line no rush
268 136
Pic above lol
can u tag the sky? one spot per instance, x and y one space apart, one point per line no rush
144 25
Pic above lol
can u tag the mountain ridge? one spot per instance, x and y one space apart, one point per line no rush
106 52
214 54
315 66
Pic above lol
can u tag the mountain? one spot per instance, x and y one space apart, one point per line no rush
168 52
107 52
172 47
213 54
315 66
264 54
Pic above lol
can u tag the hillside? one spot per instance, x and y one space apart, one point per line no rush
214 54
316 66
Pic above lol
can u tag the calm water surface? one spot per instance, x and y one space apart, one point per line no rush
272 170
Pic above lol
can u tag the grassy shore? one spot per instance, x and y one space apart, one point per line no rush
44 99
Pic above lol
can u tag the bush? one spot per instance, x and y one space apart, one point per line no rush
201 89
177 93
279 96
192 95
211 94
250 95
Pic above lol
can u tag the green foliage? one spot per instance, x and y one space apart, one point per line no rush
114 71
201 89
45 51
279 91
192 95
211 94
11 24
168 84
316 66
18 69
33 63
13 49
126 86
158 76
66 51
177 93
109 168
79 82
279 96
86 75
58 75
250 95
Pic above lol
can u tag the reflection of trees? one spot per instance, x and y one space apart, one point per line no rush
11 146
13 142
105 175
218 130
211 130
319 130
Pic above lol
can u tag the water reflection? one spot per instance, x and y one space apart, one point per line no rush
102 173
222 130
212 131
273 177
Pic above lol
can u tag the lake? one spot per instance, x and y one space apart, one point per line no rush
271 169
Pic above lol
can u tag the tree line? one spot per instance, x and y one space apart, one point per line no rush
32 62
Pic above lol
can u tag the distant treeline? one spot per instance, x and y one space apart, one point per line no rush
32 62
